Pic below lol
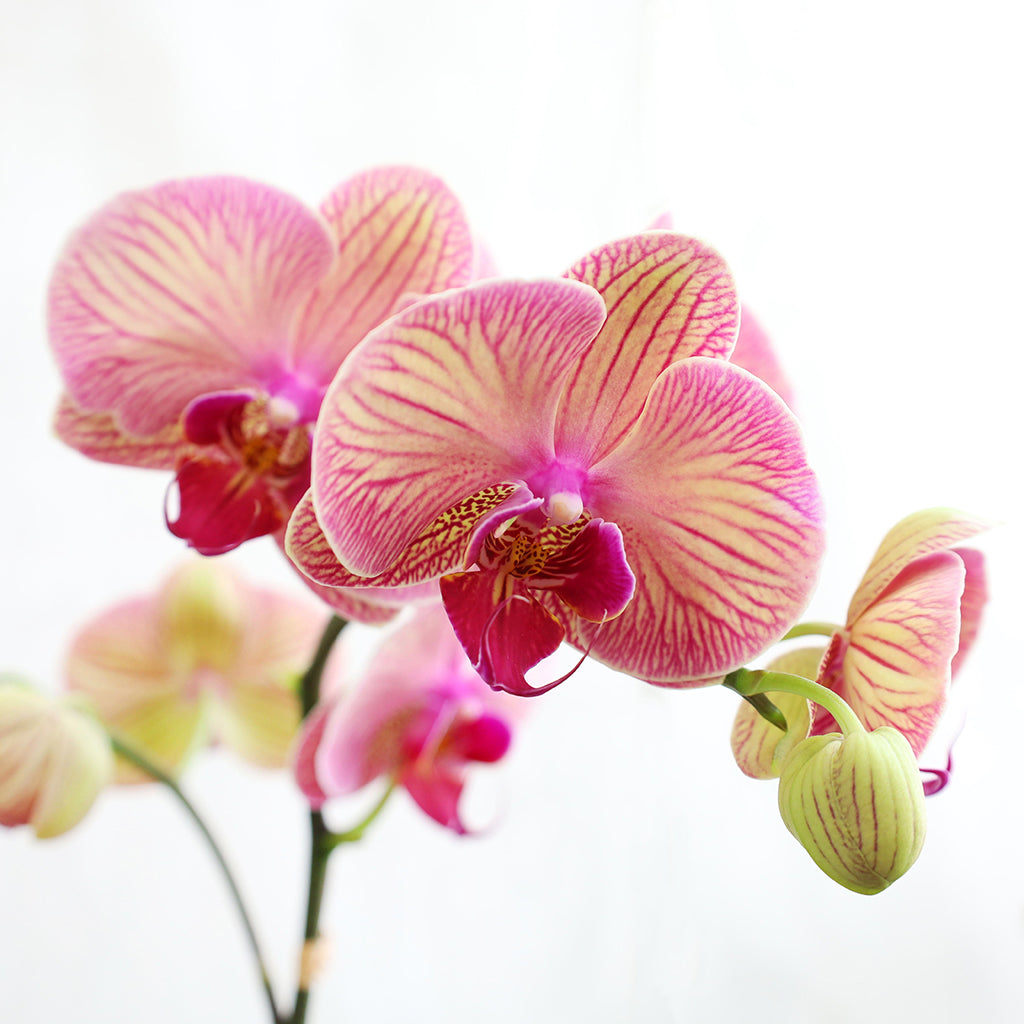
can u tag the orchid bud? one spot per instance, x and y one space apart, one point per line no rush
54 759
856 804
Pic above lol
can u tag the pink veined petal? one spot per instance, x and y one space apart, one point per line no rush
934 529
398 231
591 573
439 549
893 667
972 603
668 297
360 605
722 524
456 394
181 289
97 435
754 352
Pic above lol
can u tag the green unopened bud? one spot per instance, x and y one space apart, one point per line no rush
856 804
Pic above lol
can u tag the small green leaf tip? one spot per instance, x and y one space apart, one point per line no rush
856 804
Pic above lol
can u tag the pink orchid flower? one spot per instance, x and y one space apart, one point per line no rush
420 716
198 323
205 657
915 612
54 759
573 459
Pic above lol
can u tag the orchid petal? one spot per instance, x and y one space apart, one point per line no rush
437 793
721 519
97 435
439 549
259 721
308 743
503 637
754 353
668 297
934 529
893 667
220 505
364 740
178 290
398 231
446 399
425 642
119 662
485 739
972 603
761 748
591 574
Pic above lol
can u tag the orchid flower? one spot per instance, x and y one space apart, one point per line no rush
206 656
198 323
910 623
420 717
54 759
573 459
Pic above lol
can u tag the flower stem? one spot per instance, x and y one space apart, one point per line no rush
320 847
747 683
811 629
335 839
138 759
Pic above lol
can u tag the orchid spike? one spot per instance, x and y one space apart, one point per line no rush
419 716
54 759
198 323
572 459
205 657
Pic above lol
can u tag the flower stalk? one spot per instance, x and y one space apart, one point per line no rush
129 753
320 846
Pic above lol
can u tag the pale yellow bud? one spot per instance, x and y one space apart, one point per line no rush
856 804
54 759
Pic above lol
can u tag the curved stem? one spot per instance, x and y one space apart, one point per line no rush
138 759
319 847
811 629
747 683
354 834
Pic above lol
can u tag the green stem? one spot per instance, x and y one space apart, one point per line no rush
811 629
138 759
320 846
335 839
747 683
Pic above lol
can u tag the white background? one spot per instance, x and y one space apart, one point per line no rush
858 166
